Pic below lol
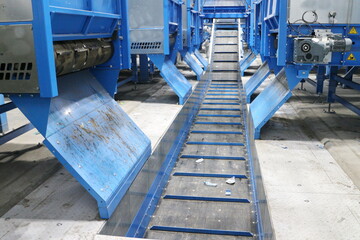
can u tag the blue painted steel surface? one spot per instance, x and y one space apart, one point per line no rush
213 157
193 29
202 231
172 76
216 9
221 109
218 123
215 143
216 132
83 127
256 80
246 62
72 20
221 103
272 35
183 174
188 58
202 60
222 99
212 199
91 136
7 107
219 115
269 101
3 117
347 104
15 133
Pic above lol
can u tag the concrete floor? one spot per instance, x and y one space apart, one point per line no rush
310 163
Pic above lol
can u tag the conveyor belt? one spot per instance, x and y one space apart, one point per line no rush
189 209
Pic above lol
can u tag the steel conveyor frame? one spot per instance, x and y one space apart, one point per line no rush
144 197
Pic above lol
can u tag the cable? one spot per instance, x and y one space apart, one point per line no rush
316 17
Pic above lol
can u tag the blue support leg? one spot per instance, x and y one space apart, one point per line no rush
332 85
172 76
3 117
320 78
144 69
134 68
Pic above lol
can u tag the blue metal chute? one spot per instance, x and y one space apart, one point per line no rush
275 95
201 59
91 136
75 51
190 60
172 76
246 62
256 80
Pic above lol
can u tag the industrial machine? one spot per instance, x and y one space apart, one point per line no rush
192 23
59 64
156 31
294 37
181 192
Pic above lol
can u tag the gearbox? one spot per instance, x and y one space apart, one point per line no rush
319 49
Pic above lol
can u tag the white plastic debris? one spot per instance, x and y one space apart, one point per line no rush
228 192
200 160
210 184
283 147
320 146
231 181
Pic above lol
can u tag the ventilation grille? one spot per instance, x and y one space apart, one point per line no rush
146 45
15 71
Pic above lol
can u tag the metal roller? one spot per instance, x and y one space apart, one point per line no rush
73 56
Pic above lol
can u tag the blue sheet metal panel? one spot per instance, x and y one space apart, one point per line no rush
202 60
15 133
84 17
202 231
172 76
3 116
188 58
269 101
256 80
44 49
92 137
247 61
70 20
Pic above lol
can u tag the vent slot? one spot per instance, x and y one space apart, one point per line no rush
15 71
146 45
